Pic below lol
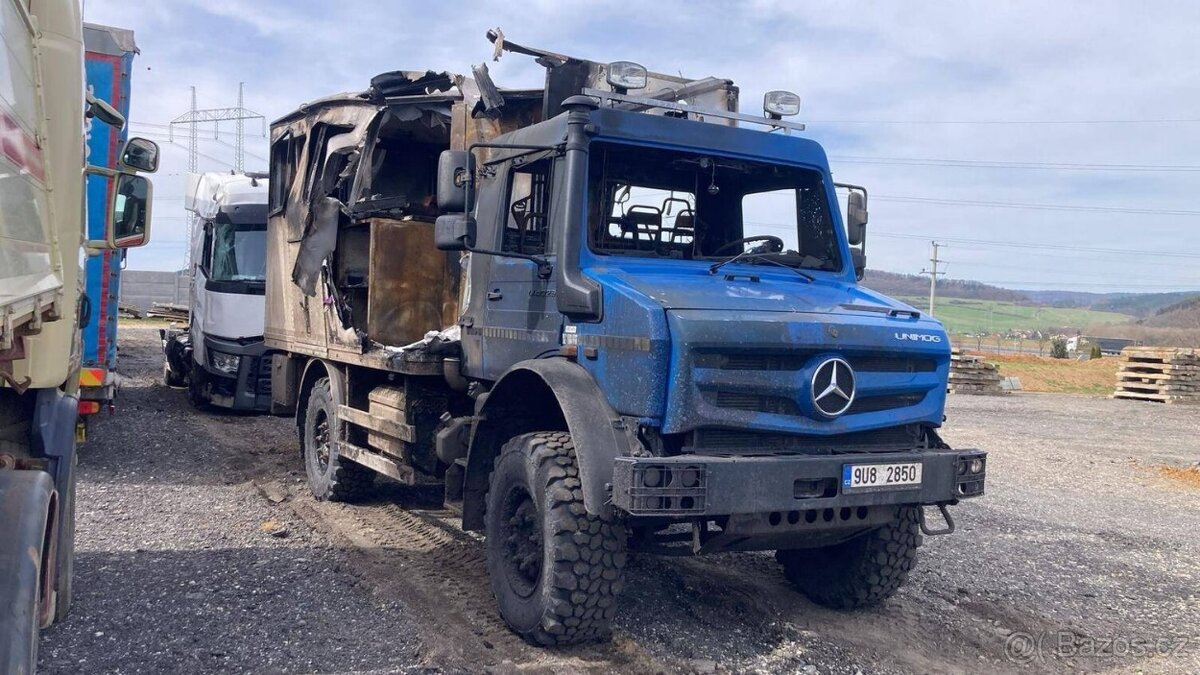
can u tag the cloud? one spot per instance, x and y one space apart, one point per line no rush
876 62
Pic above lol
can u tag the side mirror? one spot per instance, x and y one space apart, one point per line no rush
454 232
856 217
101 110
859 259
455 171
140 154
129 222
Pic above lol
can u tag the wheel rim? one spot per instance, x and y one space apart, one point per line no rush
521 534
321 440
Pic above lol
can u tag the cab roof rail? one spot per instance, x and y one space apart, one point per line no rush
628 102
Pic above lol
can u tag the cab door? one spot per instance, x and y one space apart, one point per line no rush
521 319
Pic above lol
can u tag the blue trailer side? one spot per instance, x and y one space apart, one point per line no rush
108 61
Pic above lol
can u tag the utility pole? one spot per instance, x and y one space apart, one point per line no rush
933 273
195 116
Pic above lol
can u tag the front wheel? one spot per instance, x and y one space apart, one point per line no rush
859 572
330 476
556 571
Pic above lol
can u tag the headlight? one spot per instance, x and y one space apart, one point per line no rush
626 75
781 103
226 363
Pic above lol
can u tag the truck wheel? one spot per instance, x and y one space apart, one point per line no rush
861 572
330 476
63 584
171 379
556 571
195 389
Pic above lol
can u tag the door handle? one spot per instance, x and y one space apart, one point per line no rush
495 295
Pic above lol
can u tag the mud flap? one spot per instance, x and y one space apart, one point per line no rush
26 498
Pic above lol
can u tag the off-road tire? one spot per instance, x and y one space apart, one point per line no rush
330 476
582 557
860 572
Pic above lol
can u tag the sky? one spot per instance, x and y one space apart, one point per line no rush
1046 145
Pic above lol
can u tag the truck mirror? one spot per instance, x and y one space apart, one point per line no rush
856 217
101 110
128 224
859 259
455 171
454 232
140 154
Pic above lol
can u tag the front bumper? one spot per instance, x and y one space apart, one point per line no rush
247 389
709 485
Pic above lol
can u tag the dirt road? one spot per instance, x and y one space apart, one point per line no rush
200 550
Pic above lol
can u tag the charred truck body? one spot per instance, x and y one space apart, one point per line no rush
220 354
643 330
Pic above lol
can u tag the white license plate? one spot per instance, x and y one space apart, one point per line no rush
901 476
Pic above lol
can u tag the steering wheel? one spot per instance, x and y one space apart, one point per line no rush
775 245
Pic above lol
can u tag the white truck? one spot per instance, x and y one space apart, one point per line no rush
43 116
220 355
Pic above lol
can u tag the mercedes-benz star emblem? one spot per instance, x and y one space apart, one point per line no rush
833 387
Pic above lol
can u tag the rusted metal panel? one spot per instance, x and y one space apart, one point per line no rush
413 285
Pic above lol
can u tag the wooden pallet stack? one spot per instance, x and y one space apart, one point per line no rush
1159 374
970 374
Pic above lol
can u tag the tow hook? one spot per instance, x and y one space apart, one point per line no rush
945 514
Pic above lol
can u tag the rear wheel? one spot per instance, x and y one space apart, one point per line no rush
330 476
65 569
556 571
862 571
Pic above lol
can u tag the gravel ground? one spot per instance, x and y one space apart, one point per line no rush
1081 557
182 565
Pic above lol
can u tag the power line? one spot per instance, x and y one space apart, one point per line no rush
998 164
1043 207
1038 245
1012 122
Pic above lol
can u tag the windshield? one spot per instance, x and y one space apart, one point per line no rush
656 203
239 252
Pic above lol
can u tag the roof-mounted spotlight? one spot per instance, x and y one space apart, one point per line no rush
779 104
626 75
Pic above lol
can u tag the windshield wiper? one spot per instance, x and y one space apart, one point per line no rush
758 257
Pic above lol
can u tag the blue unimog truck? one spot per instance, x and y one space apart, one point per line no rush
610 315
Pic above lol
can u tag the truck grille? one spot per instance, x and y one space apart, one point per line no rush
795 360
740 397
262 375
741 441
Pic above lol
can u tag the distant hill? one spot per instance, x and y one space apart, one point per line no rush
1185 314
908 285
1134 304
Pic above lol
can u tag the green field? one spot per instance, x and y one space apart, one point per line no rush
962 315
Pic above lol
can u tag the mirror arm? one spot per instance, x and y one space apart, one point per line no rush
545 269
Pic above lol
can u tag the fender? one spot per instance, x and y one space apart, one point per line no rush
26 501
562 396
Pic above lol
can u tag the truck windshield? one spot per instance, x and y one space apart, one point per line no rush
651 202
239 252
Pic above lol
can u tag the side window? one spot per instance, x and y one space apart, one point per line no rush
771 213
284 156
206 252
527 218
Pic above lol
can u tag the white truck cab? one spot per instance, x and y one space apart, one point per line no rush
221 356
